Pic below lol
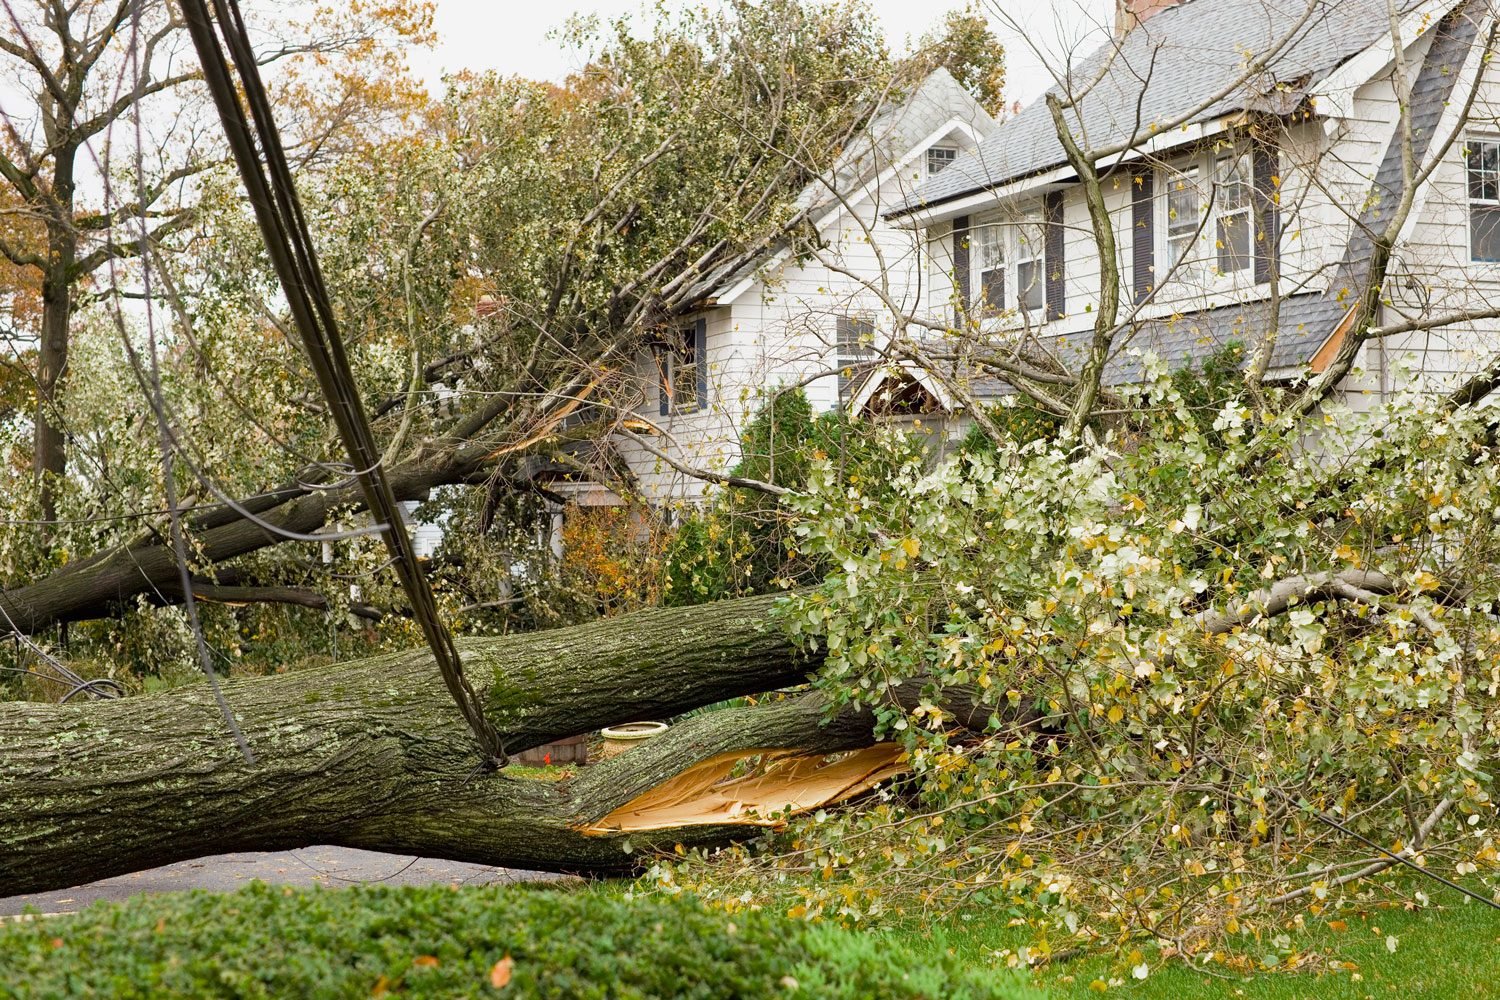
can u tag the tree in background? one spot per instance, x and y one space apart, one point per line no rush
107 75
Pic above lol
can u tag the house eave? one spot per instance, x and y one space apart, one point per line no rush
1007 189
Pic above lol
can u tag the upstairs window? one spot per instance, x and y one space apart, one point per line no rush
987 251
1482 162
1031 268
1184 209
938 158
1209 195
1233 201
1008 267
856 348
681 370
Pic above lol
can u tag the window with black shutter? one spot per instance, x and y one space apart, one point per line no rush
681 370
1031 267
1482 164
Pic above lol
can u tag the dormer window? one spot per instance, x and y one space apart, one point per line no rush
939 158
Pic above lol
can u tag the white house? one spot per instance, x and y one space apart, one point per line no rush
781 321
1251 149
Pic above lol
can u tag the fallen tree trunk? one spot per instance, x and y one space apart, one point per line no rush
372 754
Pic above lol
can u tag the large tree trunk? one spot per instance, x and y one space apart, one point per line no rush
372 753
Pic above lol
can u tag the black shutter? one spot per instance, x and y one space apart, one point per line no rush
1143 233
960 267
1266 170
700 358
1054 262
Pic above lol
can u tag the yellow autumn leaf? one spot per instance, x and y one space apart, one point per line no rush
500 974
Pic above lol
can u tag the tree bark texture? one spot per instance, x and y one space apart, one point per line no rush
372 754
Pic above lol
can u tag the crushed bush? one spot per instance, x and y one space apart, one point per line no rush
267 941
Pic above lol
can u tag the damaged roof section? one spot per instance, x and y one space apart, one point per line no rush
1174 66
894 130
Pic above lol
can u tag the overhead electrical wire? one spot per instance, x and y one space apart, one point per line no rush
255 143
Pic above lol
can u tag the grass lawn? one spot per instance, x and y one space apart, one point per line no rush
1450 949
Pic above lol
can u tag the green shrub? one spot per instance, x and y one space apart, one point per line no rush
266 941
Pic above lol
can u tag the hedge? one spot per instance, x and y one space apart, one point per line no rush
266 941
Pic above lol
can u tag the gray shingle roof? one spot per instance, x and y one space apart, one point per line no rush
1165 68
1179 341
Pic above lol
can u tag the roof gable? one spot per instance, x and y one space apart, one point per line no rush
896 133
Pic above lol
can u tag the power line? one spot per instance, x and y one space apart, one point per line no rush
278 211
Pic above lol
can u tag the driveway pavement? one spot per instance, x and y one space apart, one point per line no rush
326 866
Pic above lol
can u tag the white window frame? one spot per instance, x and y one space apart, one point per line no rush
1030 243
1234 204
1020 240
947 154
1471 202
678 345
1206 171
988 253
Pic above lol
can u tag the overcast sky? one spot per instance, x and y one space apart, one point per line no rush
511 36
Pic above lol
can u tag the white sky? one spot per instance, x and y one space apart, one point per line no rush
511 37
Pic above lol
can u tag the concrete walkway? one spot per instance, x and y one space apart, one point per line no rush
326 866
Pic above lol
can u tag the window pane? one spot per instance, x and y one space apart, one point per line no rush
1484 232
1483 159
1234 183
1184 202
989 251
939 157
992 287
856 338
1178 248
1234 242
1031 293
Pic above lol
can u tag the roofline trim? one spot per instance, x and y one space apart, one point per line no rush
1006 190
1337 87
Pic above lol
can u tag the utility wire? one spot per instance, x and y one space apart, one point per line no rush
278 211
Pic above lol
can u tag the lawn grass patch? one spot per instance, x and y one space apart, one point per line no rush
1442 951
